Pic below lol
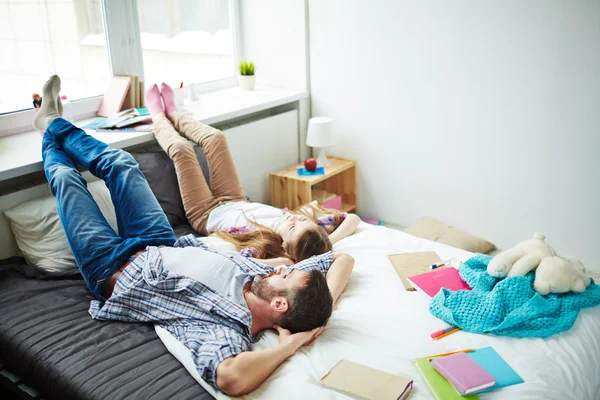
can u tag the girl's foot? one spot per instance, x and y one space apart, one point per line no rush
154 101
168 98
49 110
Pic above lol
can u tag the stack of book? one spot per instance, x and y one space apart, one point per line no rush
463 375
122 93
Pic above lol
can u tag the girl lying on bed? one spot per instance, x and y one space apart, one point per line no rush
276 236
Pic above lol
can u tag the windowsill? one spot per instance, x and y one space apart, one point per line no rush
20 154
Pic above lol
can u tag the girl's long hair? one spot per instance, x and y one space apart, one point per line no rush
313 209
266 243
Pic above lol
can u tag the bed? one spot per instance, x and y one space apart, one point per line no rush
50 341
379 324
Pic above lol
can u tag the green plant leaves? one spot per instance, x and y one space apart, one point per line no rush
246 68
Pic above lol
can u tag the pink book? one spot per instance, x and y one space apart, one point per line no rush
463 373
114 96
430 283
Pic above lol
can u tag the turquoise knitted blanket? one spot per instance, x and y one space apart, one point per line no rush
510 306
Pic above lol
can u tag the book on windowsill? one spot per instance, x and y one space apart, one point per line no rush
141 127
430 283
133 119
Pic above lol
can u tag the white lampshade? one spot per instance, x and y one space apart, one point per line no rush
320 134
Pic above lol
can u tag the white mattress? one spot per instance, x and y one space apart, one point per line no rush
379 324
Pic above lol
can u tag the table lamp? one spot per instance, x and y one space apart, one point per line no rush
320 135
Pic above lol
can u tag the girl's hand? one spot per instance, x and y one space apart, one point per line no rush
288 262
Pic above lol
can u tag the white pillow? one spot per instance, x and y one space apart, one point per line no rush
40 235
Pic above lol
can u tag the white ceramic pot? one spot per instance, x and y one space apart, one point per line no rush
180 95
247 82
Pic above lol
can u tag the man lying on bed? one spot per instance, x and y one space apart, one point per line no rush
215 304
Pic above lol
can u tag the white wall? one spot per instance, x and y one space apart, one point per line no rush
483 114
274 36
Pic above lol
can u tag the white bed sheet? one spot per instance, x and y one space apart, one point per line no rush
379 324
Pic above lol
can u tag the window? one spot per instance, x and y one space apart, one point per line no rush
38 39
194 35
88 41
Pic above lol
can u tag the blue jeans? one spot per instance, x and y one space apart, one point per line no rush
99 251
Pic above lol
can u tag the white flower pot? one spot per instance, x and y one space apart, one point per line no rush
246 82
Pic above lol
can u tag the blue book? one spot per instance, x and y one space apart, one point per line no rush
304 172
488 359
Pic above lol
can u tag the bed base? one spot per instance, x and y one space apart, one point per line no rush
12 383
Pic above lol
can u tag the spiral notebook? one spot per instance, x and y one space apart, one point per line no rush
409 264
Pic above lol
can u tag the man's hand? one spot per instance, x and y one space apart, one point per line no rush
293 341
243 373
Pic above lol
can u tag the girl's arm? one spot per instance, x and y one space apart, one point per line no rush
275 262
339 274
346 228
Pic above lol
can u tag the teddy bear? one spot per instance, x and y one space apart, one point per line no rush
560 274
522 258
554 274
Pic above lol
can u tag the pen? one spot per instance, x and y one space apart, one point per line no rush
450 332
441 332
180 85
439 264
450 353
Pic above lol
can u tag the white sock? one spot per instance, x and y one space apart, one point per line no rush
48 112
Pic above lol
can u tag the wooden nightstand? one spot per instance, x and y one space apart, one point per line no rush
291 191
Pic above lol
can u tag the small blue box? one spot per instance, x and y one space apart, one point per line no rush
302 171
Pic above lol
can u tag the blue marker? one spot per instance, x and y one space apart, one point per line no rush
439 264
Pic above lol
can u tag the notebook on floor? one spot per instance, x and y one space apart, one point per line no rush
495 365
465 374
439 387
408 264
430 283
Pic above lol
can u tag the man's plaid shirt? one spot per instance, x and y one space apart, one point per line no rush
211 326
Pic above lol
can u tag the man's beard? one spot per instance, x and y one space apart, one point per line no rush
261 288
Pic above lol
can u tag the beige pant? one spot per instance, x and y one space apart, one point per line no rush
198 198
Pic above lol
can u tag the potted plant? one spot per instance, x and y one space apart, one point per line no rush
246 77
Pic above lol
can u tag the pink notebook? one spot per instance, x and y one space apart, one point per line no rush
463 373
430 283
114 96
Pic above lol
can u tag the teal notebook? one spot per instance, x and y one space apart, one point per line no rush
495 365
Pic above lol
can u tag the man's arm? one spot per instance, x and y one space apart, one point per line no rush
339 274
245 372
346 228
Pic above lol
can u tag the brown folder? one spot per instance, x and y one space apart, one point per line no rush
366 383
409 264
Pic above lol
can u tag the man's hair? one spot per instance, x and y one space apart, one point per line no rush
310 243
308 307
